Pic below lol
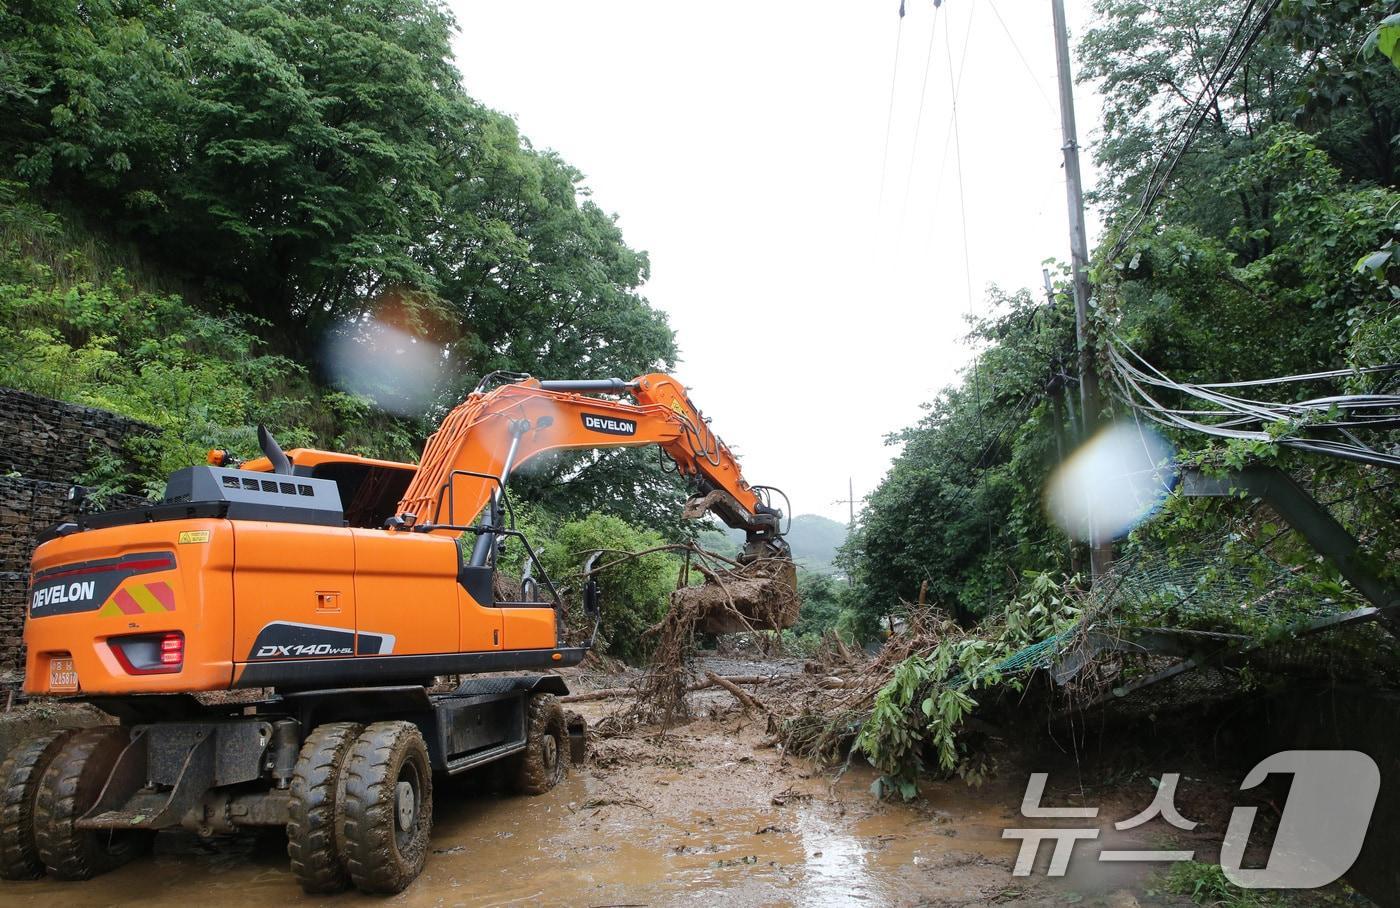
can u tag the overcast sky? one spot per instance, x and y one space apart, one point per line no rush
742 145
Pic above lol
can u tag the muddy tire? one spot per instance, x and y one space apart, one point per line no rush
546 758
315 800
386 810
20 774
70 785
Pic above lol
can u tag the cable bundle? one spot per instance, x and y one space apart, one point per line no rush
1331 422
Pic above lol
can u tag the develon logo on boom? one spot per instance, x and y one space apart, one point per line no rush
609 425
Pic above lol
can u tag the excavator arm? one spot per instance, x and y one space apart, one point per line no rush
468 461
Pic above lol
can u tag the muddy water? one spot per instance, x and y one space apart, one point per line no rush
669 839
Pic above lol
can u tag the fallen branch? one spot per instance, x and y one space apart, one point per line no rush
739 679
607 693
745 698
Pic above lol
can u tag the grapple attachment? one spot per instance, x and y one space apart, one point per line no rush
760 591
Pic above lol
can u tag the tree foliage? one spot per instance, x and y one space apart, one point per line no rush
918 713
77 327
294 166
308 156
1271 256
1152 62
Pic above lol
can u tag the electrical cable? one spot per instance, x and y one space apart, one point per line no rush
1024 62
953 83
1209 83
889 115
919 115
1234 417
1187 130
1268 410
948 128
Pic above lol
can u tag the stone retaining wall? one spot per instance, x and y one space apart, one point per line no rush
45 445
52 441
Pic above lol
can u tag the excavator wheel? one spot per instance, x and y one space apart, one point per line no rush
386 812
19 784
546 758
69 787
315 800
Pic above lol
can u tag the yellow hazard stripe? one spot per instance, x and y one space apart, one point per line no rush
144 598
109 609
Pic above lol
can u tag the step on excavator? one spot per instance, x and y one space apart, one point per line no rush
335 591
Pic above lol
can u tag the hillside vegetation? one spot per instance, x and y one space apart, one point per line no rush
199 201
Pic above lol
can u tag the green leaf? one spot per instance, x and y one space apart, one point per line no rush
1388 39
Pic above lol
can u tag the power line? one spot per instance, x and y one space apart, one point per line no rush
953 83
948 129
1186 132
957 151
1205 88
889 115
919 116
1231 416
1024 62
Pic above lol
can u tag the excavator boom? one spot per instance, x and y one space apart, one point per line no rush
468 460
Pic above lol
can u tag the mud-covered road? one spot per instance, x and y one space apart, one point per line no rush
707 814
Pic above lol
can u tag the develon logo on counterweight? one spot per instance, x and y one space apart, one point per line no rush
609 425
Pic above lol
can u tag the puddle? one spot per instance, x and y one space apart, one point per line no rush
638 835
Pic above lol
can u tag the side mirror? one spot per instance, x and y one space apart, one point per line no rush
399 522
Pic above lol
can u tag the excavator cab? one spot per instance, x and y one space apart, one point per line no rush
370 488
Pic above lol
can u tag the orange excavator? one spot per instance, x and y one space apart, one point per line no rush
335 589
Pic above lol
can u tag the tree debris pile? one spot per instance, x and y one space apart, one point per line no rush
741 597
844 701
734 597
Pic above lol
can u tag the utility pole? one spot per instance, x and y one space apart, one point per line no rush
1056 389
1100 551
850 500
1056 386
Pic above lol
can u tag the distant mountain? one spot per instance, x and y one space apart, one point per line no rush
814 540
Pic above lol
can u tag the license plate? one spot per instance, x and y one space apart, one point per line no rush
63 677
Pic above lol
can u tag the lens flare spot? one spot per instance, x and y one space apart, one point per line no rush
397 370
1112 483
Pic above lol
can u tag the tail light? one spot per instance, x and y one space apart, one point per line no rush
150 654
